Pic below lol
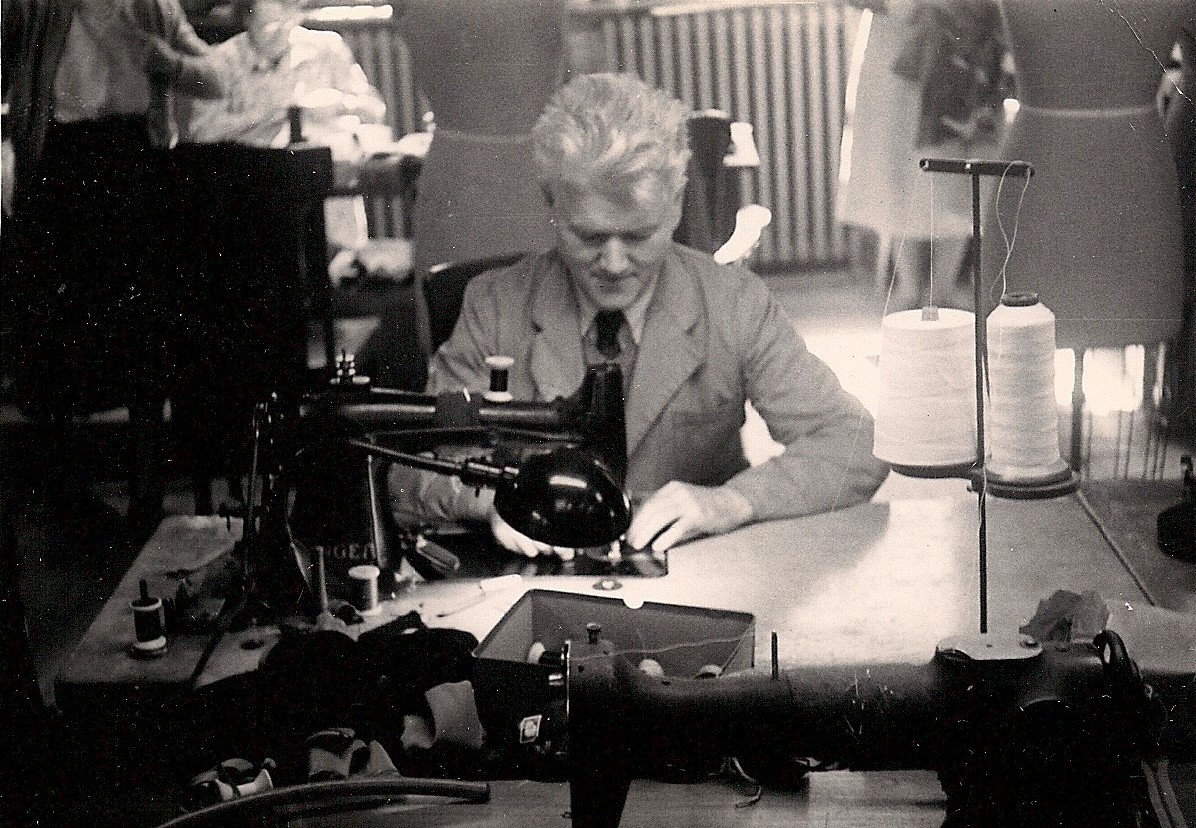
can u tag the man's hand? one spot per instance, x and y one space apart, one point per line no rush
509 538
679 511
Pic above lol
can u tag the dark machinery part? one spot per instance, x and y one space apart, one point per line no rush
318 483
1019 733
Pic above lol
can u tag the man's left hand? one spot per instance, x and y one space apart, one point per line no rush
515 541
678 511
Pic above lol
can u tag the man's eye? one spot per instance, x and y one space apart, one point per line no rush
601 238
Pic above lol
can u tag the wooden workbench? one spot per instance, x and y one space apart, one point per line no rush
883 581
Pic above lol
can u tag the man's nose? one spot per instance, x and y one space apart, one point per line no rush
614 257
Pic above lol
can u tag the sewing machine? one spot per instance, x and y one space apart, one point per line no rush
318 498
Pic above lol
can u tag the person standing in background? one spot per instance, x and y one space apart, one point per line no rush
925 81
1176 105
276 64
90 86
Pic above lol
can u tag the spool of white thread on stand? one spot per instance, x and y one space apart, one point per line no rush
926 410
1022 419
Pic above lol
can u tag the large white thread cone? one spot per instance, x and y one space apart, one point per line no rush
926 410
1022 418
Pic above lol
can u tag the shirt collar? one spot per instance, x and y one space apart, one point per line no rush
636 314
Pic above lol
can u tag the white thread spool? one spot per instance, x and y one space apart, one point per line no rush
1022 422
926 410
365 588
148 623
500 372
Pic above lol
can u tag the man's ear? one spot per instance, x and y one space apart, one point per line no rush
679 196
677 204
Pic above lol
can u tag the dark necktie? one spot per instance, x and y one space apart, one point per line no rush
608 323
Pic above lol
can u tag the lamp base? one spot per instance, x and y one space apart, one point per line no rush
1064 482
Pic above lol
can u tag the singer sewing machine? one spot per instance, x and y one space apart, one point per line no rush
833 624
320 466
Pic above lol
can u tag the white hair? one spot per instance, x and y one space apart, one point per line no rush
612 132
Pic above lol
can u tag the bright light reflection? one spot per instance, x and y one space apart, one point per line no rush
1113 378
567 481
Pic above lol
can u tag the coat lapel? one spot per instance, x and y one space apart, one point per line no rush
670 350
556 361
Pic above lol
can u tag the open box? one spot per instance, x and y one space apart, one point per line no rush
512 692
681 639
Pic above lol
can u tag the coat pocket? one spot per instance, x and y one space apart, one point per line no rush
707 449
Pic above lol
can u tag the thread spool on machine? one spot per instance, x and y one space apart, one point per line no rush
927 417
1023 421
148 624
500 372
364 578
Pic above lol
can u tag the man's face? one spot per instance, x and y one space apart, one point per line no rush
614 244
269 24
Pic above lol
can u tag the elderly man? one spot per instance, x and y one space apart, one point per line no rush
696 340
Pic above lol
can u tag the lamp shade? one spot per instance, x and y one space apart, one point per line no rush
1098 231
564 498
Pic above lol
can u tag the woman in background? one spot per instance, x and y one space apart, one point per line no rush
925 82
91 85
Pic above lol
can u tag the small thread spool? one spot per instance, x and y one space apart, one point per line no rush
500 375
365 588
148 622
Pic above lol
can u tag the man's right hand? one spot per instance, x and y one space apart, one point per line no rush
161 60
678 511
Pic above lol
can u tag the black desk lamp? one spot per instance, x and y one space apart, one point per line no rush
562 497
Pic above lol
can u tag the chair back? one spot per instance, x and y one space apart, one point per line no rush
443 290
712 194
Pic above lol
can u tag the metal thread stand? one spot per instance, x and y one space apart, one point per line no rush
977 168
